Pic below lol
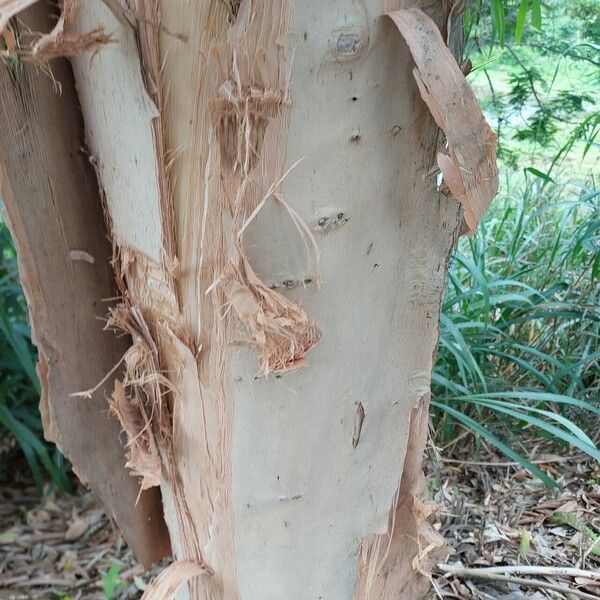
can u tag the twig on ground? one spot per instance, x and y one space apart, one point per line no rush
538 583
502 574
518 570
29 582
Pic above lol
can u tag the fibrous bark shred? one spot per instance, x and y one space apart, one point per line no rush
278 329
166 585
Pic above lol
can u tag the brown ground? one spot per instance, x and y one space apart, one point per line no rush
62 547
491 510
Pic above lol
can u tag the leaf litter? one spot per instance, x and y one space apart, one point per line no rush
493 514
502 516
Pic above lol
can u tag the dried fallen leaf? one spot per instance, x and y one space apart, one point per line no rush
589 583
68 561
75 530
51 507
568 507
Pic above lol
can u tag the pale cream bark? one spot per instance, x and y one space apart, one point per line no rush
280 242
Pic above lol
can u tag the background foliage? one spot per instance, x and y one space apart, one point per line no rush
518 353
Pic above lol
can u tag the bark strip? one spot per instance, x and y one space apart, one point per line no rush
469 166
53 209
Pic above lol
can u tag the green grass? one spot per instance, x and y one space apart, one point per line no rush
519 346
19 384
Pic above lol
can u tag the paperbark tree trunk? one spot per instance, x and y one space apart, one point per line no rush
269 173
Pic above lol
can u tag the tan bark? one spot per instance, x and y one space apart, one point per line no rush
280 247
55 215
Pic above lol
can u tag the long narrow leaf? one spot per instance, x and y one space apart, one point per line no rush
490 437
557 432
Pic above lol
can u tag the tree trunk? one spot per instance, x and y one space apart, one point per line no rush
280 240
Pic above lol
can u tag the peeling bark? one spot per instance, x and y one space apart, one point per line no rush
266 173
52 208
469 167
9 8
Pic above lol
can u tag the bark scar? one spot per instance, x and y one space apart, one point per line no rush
358 423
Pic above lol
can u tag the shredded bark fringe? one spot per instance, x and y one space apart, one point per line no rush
469 168
279 330
168 582
137 401
59 43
